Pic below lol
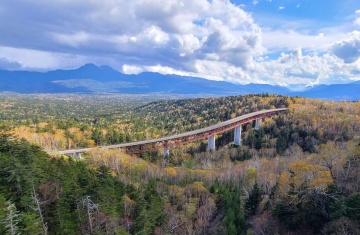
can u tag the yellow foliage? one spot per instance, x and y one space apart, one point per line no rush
302 175
170 171
90 143
199 186
73 130
113 173
126 199
190 207
251 175
179 193
322 181
42 124
136 185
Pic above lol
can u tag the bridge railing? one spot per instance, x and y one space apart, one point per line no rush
179 139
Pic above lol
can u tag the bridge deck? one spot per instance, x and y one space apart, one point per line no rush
183 135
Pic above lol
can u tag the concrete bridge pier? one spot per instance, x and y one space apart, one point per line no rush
257 124
78 155
166 151
211 142
163 143
237 135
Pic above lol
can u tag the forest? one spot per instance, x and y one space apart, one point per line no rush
298 174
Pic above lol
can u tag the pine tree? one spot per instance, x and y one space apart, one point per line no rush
30 222
253 201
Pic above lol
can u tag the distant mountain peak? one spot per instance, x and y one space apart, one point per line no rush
106 67
89 66
91 78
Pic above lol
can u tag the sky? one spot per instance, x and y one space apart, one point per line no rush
293 43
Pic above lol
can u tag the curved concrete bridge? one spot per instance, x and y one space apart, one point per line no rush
175 140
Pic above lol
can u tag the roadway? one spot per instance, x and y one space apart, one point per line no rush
215 127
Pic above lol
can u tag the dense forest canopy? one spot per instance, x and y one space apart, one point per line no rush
298 174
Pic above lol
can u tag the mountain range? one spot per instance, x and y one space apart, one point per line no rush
103 79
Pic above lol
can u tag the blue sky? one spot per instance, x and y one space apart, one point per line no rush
325 11
284 42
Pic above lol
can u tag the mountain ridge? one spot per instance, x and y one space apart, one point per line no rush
91 78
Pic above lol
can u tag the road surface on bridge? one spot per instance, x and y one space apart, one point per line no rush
201 133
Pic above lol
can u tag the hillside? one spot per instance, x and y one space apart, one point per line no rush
298 174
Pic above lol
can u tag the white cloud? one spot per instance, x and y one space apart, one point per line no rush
348 49
296 68
284 40
131 69
27 59
73 40
10 65
357 19
155 34
213 39
171 33
224 71
289 69
281 8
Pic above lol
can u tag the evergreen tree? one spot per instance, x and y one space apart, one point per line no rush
254 199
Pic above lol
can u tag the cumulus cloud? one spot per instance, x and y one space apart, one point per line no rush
357 19
288 69
348 49
170 33
295 68
214 39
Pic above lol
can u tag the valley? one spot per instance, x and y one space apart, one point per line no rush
298 174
